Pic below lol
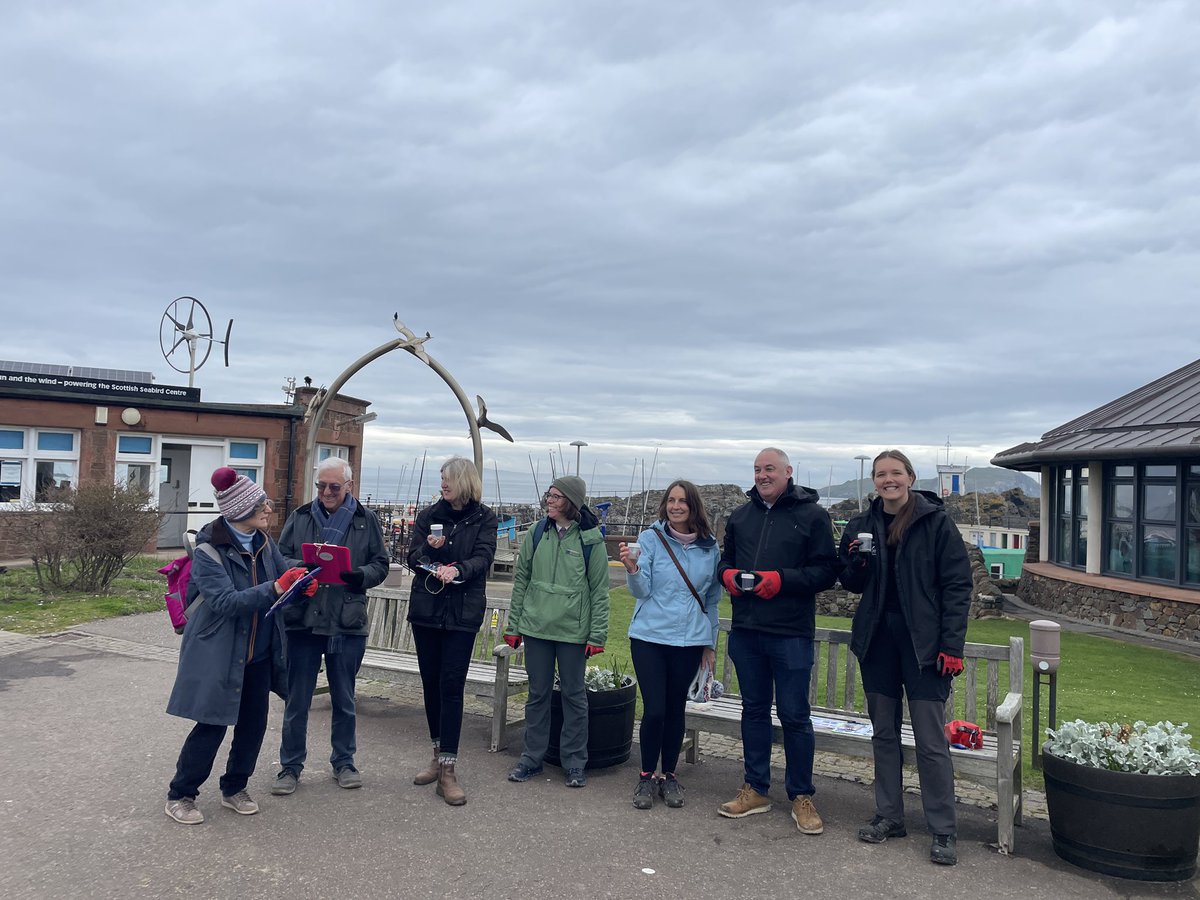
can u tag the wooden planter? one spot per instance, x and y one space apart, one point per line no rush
1117 823
610 726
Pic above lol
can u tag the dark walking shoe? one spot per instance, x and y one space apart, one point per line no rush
643 797
522 772
671 791
880 829
285 783
576 778
944 850
348 777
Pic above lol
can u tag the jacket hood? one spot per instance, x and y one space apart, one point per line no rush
795 493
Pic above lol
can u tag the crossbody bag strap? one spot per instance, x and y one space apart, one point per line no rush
210 551
662 537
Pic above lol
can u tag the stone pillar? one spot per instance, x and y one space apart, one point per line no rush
1033 542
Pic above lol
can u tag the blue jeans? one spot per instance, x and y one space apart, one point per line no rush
766 664
304 652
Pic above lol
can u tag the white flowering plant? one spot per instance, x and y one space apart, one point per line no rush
597 678
1160 749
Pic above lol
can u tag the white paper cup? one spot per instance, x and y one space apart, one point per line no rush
435 530
865 541
634 552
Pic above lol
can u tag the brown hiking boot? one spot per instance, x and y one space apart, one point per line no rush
804 814
747 802
448 788
429 774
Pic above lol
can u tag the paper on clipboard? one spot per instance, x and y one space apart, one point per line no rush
334 559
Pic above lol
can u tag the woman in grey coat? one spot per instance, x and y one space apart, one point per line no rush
232 653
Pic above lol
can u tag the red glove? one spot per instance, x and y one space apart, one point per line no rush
949 665
769 584
290 577
591 650
513 640
729 578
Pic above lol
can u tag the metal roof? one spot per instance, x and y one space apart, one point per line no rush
1161 418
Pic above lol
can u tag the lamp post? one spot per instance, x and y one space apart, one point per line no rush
862 458
578 445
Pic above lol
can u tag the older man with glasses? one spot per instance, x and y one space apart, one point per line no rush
332 625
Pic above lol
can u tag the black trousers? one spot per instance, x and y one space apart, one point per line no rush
443 657
200 748
664 674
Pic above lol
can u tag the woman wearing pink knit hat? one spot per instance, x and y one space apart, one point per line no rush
232 654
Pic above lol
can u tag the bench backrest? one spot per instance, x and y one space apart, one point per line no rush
835 685
387 615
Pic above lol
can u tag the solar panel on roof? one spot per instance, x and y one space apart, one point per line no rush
126 375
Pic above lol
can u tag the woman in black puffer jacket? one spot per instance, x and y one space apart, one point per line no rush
908 635
450 553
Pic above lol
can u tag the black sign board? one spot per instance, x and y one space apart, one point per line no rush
96 387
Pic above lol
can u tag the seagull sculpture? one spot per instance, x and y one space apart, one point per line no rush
484 422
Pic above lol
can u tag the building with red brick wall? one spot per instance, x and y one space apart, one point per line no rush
61 427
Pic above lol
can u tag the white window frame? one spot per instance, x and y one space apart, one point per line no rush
254 469
153 459
29 457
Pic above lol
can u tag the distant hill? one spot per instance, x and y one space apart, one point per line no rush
986 479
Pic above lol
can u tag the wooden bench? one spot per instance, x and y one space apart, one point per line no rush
494 673
505 561
841 725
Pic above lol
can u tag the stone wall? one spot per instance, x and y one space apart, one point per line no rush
1108 607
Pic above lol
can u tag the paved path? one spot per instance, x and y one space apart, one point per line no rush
87 751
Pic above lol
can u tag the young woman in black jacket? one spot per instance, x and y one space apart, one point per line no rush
450 552
908 634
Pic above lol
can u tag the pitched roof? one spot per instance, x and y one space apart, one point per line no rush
1161 418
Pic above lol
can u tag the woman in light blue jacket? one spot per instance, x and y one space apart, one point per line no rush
672 573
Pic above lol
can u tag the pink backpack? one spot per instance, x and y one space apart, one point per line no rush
179 576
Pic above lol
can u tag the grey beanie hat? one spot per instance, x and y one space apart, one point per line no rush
573 488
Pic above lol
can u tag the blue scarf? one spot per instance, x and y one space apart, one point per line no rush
334 526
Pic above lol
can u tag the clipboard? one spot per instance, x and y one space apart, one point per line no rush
295 590
334 559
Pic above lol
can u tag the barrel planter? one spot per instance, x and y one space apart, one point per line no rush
610 726
1145 827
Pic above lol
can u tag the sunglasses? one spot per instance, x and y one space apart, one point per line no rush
322 487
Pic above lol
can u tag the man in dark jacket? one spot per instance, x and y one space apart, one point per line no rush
333 624
778 554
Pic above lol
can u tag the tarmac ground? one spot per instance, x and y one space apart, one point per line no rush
87 752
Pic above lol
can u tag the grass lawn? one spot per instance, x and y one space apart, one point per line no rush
24 608
1099 680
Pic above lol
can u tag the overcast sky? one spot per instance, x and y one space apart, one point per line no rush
696 227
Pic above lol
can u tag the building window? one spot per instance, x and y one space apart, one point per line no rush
1070 516
137 463
246 458
1152 522
37 465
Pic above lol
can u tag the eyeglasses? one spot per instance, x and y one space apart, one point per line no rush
265 506
322 487
552 498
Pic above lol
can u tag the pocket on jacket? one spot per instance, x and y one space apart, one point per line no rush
354 613
293 615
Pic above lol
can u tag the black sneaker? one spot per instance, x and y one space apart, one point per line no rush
671 791
522 772
576 778
944 850
880 829
643 797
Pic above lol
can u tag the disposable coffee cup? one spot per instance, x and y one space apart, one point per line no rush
747 581
435 530
634 552
865 538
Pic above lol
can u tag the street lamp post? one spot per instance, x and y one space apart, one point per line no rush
862 458
578 445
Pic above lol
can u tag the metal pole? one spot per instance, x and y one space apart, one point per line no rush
862 458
